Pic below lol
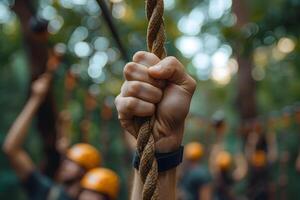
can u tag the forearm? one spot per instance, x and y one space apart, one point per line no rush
136 187
205 193
17 133
166 185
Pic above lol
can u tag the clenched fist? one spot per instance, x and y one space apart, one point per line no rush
160 88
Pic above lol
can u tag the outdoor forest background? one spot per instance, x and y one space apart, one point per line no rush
244 55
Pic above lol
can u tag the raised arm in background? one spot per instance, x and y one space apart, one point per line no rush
13 144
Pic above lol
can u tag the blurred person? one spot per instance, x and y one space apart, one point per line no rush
195 182
63 126
259 176
261 152
288 135
297 120
219 125
161 88
225 168
223 179
100 184
283 178
220 128
260 138
217 148
218 131
77 161
298 163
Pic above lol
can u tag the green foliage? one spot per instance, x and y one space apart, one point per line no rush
269 21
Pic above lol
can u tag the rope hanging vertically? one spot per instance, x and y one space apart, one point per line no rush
156 29
145 141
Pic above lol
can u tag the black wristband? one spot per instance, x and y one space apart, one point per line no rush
165 161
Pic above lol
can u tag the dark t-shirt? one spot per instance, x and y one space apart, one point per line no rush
193 180
40 187
258 181
223 186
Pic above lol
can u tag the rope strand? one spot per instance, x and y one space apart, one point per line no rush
145 141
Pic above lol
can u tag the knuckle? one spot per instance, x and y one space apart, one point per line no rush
139 56
175 64
169 69
173 61
134 88
129 69
158 96
193 84
130 104
151 109
119 104
116 101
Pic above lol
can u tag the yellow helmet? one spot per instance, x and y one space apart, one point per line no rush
223 160
259 158
193 151
102 180
85 155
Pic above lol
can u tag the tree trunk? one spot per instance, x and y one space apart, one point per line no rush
246 100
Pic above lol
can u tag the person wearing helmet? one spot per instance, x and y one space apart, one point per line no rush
223 164
99 184
76 162
195 183
219 125
259 176
223 161
261 151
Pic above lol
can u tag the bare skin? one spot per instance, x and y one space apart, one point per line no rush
91 195
19 159
205 193
161 88
13 144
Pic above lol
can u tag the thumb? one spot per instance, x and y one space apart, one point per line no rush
171 70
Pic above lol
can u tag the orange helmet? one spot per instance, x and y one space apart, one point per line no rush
102 180
223 160
259 158
193 151
85 155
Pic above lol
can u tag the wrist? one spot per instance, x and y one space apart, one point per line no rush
169 175
170 143
172 146
165 161
37 98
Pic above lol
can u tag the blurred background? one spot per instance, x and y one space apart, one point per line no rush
244 55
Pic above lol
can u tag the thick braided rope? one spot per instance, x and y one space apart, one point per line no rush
156 30
145 141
